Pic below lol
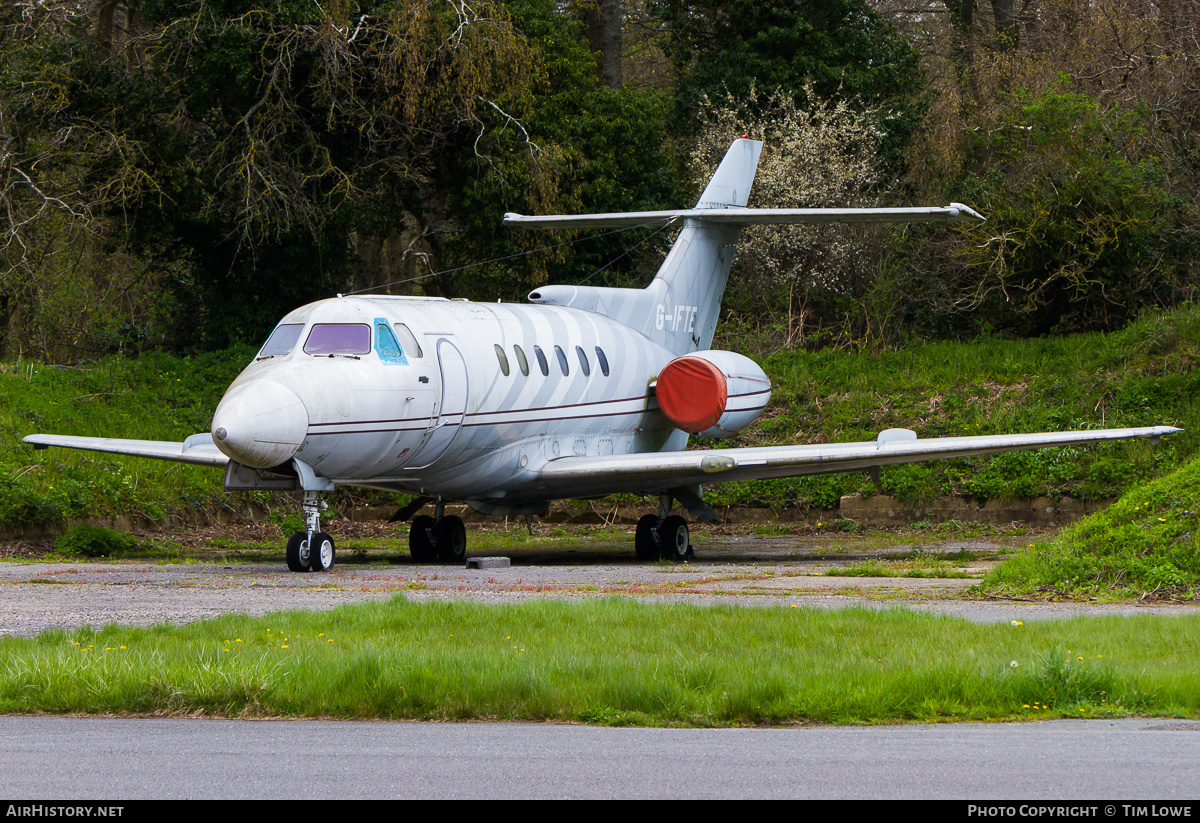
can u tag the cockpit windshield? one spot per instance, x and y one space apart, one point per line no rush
338 338
282 340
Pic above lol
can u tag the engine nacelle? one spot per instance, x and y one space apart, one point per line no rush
712 393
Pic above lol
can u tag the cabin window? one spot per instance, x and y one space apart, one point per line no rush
562 360
541 358
282 340
408 340
521 360
503 358
583 362
602 360
338 338
386 344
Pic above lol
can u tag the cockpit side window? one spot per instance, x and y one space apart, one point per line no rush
408 340
339 338
282 340
386 344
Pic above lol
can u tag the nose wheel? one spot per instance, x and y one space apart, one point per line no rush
317 555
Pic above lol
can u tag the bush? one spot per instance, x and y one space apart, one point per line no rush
94 541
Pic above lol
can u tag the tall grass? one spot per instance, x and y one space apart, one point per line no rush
612 662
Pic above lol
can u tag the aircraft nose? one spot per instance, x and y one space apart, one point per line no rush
260 424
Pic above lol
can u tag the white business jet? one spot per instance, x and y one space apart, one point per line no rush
585 392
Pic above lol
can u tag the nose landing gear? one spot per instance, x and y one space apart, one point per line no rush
312 549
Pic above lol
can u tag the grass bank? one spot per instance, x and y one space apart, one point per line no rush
1143 375
1147 544
612 662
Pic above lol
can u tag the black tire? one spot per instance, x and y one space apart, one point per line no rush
674 535
451 537
420 541
297 552
323 553
646 540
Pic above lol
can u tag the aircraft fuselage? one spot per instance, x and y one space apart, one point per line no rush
449 399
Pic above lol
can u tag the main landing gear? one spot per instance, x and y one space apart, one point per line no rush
442 537
312 549
662 535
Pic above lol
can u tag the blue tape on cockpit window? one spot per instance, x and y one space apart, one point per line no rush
387 345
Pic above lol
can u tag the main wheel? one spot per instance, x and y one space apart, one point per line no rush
297 552
322 555
420 539
451 537
674 535
645 539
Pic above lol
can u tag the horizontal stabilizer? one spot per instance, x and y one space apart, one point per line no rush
954 213
198 449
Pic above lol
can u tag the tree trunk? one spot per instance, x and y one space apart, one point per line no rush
604 37
1006 24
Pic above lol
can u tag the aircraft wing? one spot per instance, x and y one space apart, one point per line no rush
198 448
689 468
954 213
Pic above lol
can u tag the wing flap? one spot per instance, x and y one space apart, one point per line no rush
198 449
663 469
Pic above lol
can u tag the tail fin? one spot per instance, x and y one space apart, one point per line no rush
680 306
688 288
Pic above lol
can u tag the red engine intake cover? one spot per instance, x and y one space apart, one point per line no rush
692 393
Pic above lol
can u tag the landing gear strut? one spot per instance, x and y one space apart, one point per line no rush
662 535
441 537
312 549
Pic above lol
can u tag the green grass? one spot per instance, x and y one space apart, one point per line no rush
1142 375
612 662
154 396
1145 544
915 565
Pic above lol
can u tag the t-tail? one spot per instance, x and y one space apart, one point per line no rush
679 308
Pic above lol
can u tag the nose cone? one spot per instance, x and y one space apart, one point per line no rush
260 424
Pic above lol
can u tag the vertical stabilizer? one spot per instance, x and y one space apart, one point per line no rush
688 288
730 186
680 306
